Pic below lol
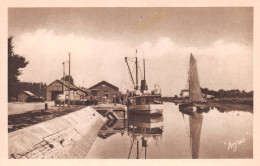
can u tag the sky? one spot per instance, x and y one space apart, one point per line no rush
99 39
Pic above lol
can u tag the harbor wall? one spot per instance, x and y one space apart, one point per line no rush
68 136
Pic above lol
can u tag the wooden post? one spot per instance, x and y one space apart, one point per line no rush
46 106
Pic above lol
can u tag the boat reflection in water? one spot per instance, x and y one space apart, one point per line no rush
142 129
195 123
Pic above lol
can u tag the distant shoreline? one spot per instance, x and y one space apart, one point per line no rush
244 100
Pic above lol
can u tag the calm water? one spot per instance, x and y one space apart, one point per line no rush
174 135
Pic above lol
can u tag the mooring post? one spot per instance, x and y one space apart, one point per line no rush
46 106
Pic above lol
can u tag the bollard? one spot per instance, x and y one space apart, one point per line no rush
46 106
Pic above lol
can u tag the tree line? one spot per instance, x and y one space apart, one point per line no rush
234 93
36 88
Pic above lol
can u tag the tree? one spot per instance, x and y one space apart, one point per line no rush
205 90
222 93
15 63
67 79
36 88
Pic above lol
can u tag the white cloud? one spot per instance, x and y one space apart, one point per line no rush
221 64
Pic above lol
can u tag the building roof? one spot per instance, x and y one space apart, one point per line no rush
106 83
66 84
29 93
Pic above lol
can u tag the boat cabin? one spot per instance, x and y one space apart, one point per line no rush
149 99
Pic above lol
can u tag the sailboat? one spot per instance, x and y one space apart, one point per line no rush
143 102
195 94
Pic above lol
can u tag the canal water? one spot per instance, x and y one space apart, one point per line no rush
211 134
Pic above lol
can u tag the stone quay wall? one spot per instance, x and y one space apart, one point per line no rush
66 137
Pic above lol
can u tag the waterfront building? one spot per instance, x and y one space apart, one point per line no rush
59 86
104 89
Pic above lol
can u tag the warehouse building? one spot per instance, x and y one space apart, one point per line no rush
24 95
58 86
104 89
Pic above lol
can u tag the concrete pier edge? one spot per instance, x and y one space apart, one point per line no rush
68 136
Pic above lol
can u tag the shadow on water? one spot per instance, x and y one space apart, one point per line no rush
195 124
195 115
142 129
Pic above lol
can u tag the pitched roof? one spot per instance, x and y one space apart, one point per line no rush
29 93
65 83
104 82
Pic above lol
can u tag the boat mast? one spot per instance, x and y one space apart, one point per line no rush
143 82
144 69
136 63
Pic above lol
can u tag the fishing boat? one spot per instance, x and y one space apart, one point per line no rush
195 95
141 101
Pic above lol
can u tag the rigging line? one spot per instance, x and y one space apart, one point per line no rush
133 72
130 71
131 147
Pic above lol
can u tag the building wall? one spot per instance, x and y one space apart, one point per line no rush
22 97
82 94
105 89
55 86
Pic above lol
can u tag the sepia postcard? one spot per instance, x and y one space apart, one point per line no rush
171 82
